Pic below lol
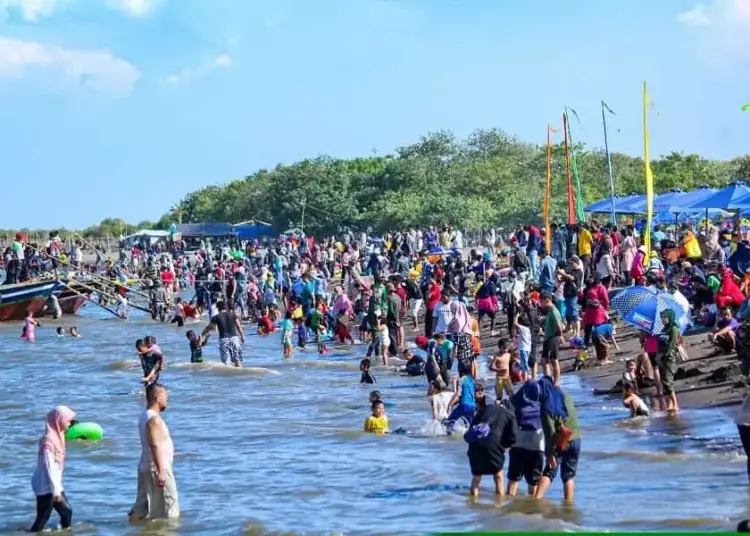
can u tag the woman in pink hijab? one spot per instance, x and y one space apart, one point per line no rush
343 313
47 479
460 331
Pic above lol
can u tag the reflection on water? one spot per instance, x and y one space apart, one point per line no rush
277 448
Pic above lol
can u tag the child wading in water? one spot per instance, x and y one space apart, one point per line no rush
152 360
287 328
196 346
29 326
367 376
632 401
377 423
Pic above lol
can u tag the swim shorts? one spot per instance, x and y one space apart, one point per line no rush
551 349
526 464
230 349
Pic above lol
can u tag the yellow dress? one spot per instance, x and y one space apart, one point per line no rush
376 425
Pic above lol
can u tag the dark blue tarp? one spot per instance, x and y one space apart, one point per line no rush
252 231
205 229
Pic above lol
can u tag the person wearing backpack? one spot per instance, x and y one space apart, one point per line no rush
491 433
562 438
527 454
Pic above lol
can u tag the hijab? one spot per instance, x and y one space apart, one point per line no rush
461 322
342 304
53 440
671 320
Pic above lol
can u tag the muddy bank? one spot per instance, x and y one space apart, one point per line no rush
705 379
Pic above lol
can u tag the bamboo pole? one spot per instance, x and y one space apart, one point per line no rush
107 295
97 276
88 298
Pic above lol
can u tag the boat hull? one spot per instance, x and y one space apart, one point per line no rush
16 301
69 299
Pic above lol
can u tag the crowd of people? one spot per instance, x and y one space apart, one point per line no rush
539 301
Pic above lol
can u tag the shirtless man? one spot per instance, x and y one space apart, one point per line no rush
157 490
500 365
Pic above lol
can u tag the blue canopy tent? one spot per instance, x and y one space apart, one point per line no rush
633 205
736 196
212 230
252 230
605 205
683 201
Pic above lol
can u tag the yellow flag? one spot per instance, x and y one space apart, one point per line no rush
649 175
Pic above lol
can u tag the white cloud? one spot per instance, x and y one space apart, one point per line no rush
695 17
723 30
135 8
29 10
97 70
224 61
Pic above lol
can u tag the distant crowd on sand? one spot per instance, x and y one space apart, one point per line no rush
376 289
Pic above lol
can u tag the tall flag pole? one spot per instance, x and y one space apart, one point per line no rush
548 193
580 215
648 173
571 197
609 158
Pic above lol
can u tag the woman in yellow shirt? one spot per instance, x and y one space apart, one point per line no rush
377 423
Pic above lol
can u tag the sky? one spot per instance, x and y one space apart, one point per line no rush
118 108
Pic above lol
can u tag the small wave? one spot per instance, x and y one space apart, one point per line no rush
122 365
663 456
221 368
348 365
420 491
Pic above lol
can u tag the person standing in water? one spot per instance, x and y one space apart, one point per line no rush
231 334
157 490
29 327
47 479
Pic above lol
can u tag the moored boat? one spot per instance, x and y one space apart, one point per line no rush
66 300
17 300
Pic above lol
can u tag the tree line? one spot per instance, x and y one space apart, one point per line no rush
488 179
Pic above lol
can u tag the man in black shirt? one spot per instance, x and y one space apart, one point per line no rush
231 334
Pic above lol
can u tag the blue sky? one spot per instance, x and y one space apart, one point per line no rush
118 108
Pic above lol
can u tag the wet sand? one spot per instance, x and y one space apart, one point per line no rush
705 379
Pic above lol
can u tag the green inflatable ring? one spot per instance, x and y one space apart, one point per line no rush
86 431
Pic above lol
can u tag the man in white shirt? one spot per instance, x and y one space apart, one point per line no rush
157 489
442 314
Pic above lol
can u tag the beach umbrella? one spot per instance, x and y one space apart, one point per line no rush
439 251
641 307
733 197
605 205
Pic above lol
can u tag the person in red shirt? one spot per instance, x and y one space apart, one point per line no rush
167 278
432 299
265 324
595 306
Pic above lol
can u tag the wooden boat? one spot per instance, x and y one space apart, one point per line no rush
16 301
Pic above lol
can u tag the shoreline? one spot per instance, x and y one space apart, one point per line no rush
704 381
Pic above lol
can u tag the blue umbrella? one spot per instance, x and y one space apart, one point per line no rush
733 197
439 251
605 205
641 307
681 202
